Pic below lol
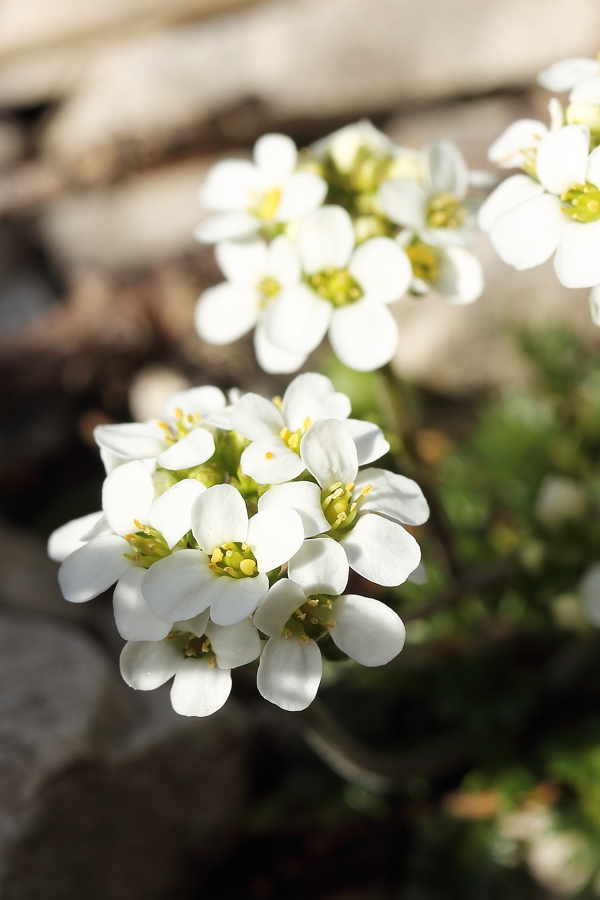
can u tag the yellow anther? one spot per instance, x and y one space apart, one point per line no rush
330 623
138 525
245 547
301 616
197 417
130 537
178 413
228 546
366 490
284 434
164 427
213 567
293 441
136 557
341 517
228 569
268 455
329 604
305 639
277 401
287 634
314 602
189 418
306 423
337 493
335 486
205 646
211 662
350 486
247 566
217 555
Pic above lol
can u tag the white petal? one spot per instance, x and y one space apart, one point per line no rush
369 439
228 185
255 416
446 169
205 401
290 672
134 619
593 169
329 453
237 598
273 359
419 576
196 626
562 157
70 537
274 535
368 631
226 312
283 261
460 276
219 516
325 239
302 194
577 261
587 92
127 494
145 665
93 568
302 496
200 689
283 599
403 202
564 75
192 450
364 335
393 496
133 440
527 235
171 514
234 645
507 150
595 305
320 567
298 319
243 262
227 226
179 586
508 194
382 269
313 396
275 155
269 461
381 551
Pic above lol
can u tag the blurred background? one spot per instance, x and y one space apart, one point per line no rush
111 114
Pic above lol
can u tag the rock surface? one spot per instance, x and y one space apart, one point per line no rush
103 791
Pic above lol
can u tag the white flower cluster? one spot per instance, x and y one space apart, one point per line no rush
554 207
296 270
230 530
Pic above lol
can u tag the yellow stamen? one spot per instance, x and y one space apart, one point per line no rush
305 639
306 423
277 401
247 566
217 555
268 455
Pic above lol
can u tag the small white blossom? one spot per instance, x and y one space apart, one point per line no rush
454 272
346 293
516 146
249 196
346 145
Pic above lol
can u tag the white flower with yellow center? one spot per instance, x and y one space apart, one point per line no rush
199 654
454 272
250 196
517 145
529 220
433 208
228 571
365 511
346 292
581 77
275 429
181 439
290 667
256 273
134 530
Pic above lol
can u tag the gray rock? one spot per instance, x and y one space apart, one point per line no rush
103 791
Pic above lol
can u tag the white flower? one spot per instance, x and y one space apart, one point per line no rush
432 209
256 273
347 292
568 73
454 272
200 655
516 146
560 500
581 77
345 146
290 668
276 430
363 510
139 530
228 570
251 195
180 440
529 220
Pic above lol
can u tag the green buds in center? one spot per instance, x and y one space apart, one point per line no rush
336 285
582 202
445 211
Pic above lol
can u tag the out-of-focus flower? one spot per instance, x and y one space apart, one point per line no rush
346 293
454 272
253 196
560 500
589 589
517 145
581 77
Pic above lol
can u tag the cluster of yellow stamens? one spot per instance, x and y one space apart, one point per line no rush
184 423
582 202
268 289
339 506
233 559
445 211
316 612
194 646
423 260
336 285
148 545
291 438
266 204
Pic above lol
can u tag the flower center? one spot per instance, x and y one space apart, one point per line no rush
267 203
292 438
268 289
423 260
336 285
340 508
445 211
184 423
148 546
582 202
192 645
233 559
314 617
